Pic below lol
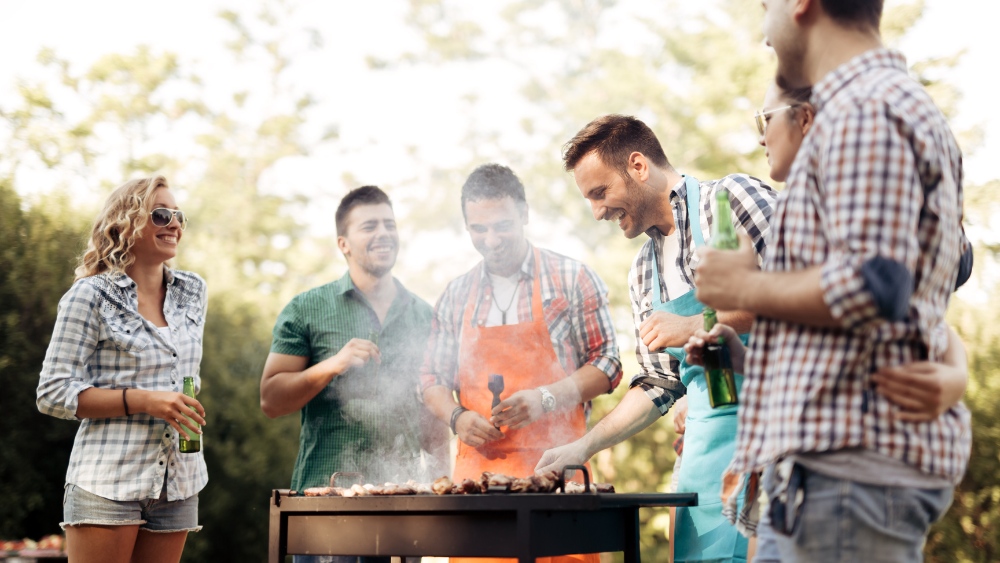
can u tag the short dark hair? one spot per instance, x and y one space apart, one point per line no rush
492 181
867 13
365 195
614 137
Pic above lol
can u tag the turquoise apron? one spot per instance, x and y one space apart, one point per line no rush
701 532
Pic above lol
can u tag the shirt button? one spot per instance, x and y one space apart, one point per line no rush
173 383
161 463
175 355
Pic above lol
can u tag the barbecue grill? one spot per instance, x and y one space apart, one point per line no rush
519 525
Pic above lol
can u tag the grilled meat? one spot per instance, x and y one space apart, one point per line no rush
442 486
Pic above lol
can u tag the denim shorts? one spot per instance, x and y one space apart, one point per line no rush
82 508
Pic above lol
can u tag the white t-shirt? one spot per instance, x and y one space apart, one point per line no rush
669 273
505 296
165 332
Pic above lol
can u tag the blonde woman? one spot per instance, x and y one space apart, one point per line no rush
127 333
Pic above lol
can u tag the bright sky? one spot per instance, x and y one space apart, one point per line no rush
375 121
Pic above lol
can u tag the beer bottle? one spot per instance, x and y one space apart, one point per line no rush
718 368
190 441
718 364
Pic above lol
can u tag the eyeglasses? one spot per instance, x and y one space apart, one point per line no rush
162 217
758 116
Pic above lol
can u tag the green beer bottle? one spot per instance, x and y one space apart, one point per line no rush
718 368
190 441
718 365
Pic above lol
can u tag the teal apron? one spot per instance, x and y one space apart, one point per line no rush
701 532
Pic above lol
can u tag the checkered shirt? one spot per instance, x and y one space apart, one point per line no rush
101 341
575 302
878 179
751 201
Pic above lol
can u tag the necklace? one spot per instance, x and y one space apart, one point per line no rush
503 311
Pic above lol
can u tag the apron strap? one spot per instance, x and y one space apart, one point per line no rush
694 209
537 313
693 193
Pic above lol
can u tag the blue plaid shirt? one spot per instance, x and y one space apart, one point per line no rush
100 340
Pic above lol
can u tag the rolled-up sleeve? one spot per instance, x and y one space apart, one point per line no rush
872 202
655 377
593 329
74 340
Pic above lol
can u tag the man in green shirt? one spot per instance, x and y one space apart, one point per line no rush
346 354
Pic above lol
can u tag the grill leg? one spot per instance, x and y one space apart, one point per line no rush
275 546
631 521
524 536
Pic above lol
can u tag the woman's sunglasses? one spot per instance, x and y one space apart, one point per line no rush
162 217
759 117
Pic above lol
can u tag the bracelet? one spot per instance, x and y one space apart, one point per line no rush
125 402
454 417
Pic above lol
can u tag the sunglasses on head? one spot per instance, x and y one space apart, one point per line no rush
759 116
161 217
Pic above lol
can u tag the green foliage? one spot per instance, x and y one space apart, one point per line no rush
37 251
969 532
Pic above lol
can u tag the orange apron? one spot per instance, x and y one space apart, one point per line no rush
524 355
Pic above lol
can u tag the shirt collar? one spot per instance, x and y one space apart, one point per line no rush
678 193
345 285
839 77
121 279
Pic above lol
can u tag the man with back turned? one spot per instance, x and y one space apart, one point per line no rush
865 251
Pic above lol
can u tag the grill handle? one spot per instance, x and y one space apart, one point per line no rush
358 478
586 477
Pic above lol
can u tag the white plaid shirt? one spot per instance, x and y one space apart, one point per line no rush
875 198
752 201
100 340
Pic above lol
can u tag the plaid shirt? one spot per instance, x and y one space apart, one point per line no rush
875 186
100 340
752 202
576 311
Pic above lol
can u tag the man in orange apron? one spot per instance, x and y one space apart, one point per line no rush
538 319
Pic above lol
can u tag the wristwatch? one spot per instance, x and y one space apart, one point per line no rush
548 400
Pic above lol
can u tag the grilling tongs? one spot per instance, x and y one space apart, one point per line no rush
496 386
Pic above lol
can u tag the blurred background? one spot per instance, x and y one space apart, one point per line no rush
262 115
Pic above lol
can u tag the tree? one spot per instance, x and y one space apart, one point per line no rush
37 251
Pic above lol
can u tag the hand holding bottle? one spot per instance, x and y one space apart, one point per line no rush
695 347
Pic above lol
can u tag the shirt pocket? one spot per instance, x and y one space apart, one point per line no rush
194 324
127 334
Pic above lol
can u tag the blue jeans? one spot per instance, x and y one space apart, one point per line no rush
842 520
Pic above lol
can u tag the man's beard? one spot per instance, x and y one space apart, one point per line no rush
376 271
791 66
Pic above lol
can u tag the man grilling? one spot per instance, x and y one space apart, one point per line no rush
535 318
343 354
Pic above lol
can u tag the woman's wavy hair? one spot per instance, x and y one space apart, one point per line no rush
124 215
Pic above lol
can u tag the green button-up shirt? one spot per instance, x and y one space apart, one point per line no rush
367 419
